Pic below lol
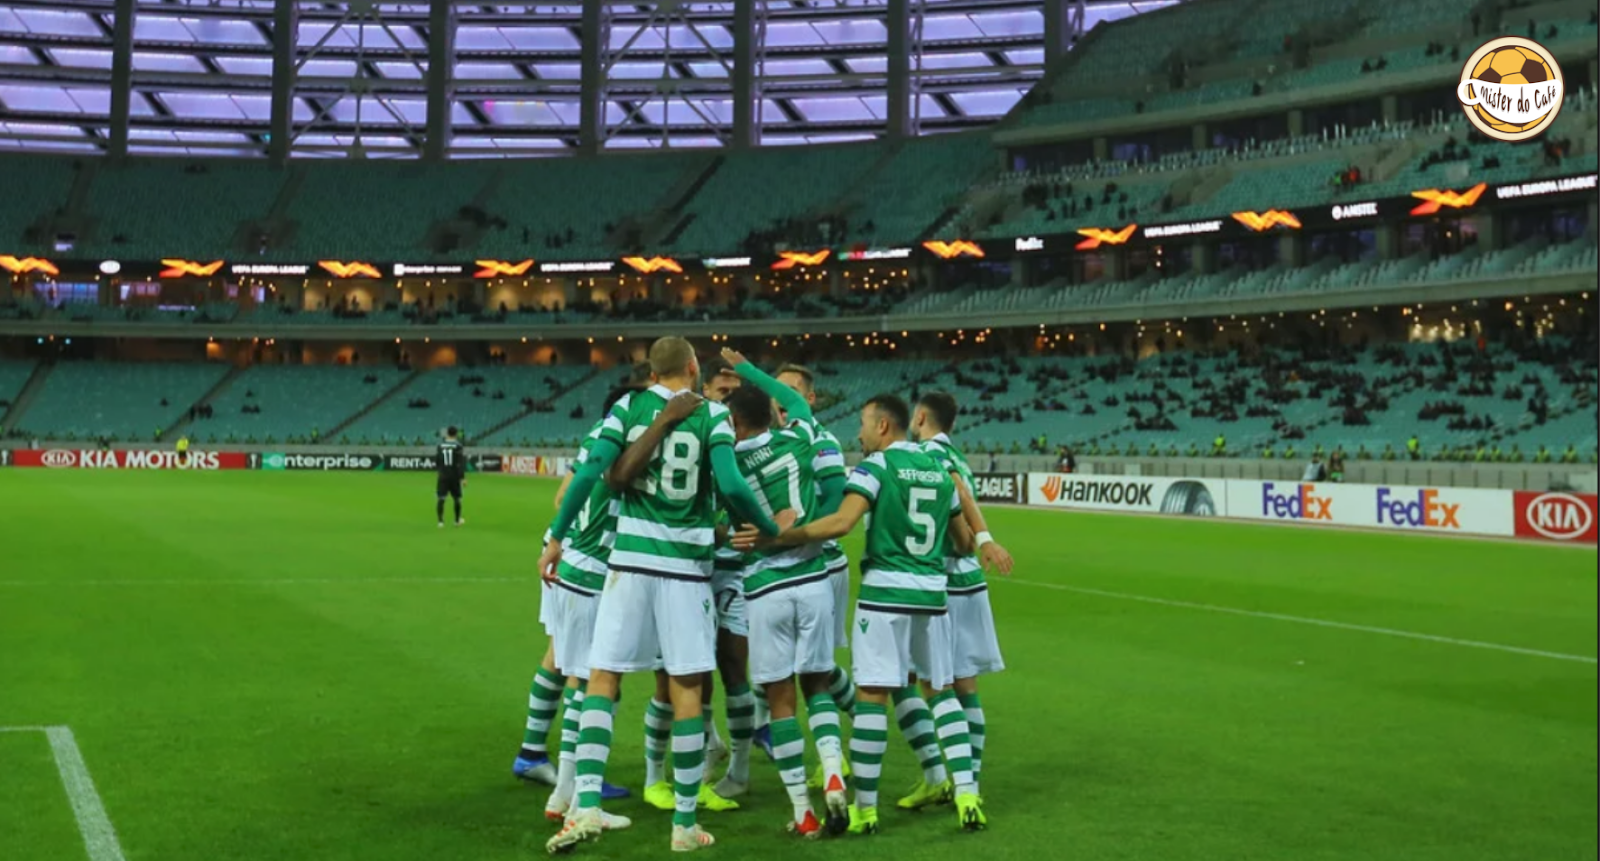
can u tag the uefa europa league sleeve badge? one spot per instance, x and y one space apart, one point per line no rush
1511 88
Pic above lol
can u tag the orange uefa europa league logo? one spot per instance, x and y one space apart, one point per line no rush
952 250
188 268
647 265
353 269
24 265
1098 236
502 268
791 259
1433 199
1263 221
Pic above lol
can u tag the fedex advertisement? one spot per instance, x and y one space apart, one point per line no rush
1426 509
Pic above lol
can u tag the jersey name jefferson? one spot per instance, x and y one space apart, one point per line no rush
912 500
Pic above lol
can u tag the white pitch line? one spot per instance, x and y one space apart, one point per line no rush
1305 620
99 838
98 835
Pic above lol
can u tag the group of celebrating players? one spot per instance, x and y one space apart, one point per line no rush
699 532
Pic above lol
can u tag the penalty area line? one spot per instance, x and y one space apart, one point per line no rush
1306 620
99 838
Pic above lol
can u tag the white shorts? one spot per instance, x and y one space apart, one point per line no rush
839 578
977 648
643 619
888 648
574 635
732 612
793 632
547 609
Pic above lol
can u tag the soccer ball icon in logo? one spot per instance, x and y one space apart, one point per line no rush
1510 66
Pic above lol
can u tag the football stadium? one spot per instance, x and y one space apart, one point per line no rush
1153 430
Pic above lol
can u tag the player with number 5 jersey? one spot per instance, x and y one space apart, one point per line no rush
901 627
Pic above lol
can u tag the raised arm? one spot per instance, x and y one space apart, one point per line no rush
601 455
792 402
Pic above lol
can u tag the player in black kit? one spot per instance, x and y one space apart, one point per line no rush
452 461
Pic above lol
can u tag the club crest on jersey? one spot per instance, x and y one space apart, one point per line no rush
863 624
706 605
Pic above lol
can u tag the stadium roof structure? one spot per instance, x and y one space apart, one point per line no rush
455 79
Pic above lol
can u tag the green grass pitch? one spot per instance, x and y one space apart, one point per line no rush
300 667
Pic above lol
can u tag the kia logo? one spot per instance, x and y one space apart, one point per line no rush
1560 516
59 458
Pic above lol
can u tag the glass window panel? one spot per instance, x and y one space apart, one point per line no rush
867 65
223 31
649 39
401 71
786 34
796 67
481 39
832 110
956 61
20 55
80 59
312 32
1026 56
254 107
487 72
930 107
37 98
559 71
10 23
541 38
718 36
632 142
460 116
1029 23
855 31
638 71
205 106
950 27
329 69
147 28
987 103
53 23
258 66
166 62
708 70
510 112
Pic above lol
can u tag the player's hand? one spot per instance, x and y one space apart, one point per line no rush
785 519
996 559
732 356
549 562
748 537
680 407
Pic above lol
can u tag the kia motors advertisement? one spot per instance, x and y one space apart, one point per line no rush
1192 497
999 487
66 458
1556 516
1425 509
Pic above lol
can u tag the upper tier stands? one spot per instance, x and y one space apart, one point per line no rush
199 209
90 400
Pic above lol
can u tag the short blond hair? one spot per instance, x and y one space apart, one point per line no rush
670 357
801 371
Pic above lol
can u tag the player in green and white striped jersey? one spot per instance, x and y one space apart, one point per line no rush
790 606
976 646
902 628
794 390
574 602
657 600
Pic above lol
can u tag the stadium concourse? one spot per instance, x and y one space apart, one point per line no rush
1096 290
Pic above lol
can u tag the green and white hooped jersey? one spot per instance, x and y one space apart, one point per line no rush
966 572
585 553
778 467
827 460
666 521
912 500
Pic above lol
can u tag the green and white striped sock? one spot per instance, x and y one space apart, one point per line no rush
567 768
868 741
916 724
843 690
657 735
688 768
543 697
826 735
741 729
594 748
951 722
975 731
763 714
789 749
